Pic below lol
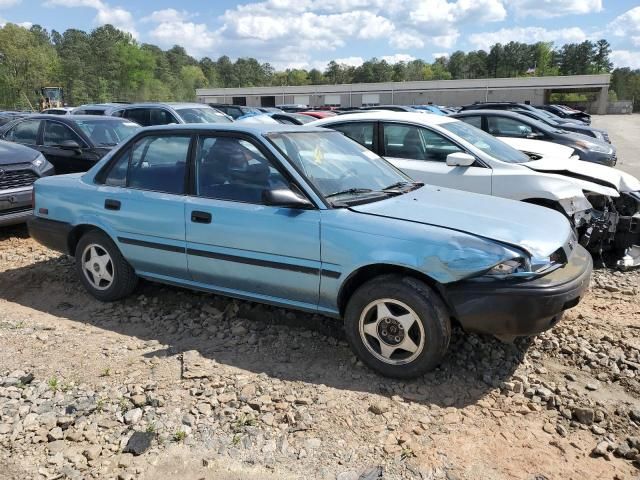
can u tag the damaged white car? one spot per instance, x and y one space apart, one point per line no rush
602 203
539 149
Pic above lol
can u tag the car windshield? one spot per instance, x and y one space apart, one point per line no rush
202 115
338 167
107 133
485 142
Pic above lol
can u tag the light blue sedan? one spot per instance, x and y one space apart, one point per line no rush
308 219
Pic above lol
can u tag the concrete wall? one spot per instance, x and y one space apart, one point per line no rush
438 97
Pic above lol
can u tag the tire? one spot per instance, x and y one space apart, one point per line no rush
411 303
110 277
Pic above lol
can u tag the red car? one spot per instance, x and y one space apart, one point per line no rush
319 113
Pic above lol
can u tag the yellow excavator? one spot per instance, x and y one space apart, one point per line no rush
51 97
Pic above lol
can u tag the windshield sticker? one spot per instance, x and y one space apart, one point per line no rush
318 155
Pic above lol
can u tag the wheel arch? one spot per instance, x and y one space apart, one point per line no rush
365 273
78 232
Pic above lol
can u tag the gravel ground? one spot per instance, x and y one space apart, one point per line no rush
176 384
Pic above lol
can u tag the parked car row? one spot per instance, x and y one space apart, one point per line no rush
602 203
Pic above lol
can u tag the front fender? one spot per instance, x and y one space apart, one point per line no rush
444 256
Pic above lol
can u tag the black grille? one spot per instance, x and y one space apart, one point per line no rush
16 178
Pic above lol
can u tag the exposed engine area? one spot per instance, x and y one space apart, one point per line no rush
613 226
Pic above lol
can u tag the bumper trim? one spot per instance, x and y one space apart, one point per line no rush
523 308
50 233
15 218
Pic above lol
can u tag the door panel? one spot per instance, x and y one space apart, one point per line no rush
421 153
256 249
142 199
243 245
150 229
64 160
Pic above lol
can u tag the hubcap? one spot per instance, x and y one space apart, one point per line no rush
391 331
97 266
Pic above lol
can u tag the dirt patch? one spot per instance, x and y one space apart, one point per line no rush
228 389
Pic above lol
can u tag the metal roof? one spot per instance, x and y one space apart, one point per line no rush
555 82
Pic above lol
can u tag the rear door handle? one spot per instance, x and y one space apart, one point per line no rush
112 204
200 217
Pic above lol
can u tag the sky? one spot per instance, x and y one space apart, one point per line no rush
309 33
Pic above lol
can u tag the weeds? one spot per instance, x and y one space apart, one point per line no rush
124 405
407 453
54 384
243 421
179 436
100 404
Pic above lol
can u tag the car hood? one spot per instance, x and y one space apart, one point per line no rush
539 147
12 153
588 172
538 230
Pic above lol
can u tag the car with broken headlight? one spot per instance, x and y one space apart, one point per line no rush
19 168
602 203
308 219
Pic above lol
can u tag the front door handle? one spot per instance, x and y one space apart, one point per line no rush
110 204
200 217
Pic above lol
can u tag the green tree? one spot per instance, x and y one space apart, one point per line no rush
26 64
601 61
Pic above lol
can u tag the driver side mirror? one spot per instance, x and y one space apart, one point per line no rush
286 198
70 145
535 136
460 159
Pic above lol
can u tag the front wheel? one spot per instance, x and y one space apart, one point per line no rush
398 326
102 269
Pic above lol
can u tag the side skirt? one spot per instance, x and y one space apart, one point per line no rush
228 292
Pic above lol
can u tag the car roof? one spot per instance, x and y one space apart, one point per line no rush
163 104
253 128
425 118
75 118
485 111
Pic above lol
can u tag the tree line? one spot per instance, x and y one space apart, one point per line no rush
107 64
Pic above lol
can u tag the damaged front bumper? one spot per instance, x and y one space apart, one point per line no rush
512 308
614 225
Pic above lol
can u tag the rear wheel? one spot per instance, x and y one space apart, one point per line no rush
102 269
398 326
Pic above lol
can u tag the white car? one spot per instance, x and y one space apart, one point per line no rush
540 149
603 203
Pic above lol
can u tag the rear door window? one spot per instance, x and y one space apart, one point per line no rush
158 163
139 115
25 132
158 116
361 132
475 120
507 127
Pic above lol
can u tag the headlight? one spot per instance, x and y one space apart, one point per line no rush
509 267
39 162
595 147
599 135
